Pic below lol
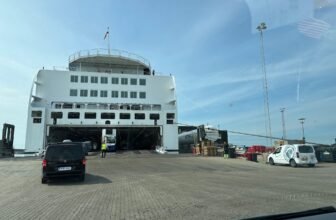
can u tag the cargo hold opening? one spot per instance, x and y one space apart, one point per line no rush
76 134
127 138
143 138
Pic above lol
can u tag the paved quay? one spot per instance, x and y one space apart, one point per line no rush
145 185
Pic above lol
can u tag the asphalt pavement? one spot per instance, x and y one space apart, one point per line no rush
145 185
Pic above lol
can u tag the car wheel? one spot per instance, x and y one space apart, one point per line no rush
44 180
292 163
271 161
311 165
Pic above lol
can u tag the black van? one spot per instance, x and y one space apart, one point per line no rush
63 159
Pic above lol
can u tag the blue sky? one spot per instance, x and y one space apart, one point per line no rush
211 47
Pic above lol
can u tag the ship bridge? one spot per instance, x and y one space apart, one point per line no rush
109 61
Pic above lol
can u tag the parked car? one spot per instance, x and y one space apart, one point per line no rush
294 155
256 149
63 159
240 151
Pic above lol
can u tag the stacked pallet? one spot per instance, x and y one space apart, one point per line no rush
196 149
209 151
205 148
205 151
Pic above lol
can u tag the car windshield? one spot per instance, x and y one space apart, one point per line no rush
306 149
68 152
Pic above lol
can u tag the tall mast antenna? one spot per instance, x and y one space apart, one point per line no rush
107 34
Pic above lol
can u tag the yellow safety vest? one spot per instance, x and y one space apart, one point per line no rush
103 147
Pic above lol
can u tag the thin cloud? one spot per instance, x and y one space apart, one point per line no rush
18 67
208 23
230 96
276 71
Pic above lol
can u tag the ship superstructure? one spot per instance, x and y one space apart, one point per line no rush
103 89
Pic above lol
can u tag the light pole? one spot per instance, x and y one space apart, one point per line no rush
260 28
282 110
302 120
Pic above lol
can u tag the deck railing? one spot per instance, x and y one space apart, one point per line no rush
108 52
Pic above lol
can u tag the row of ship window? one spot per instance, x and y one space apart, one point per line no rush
104 115
104 93
105 80
114 106
108 115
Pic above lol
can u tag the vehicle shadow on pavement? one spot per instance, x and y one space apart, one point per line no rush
90 179
95 179
298 167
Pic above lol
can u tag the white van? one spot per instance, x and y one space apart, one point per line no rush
296 154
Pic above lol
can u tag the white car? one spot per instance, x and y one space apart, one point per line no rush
296 154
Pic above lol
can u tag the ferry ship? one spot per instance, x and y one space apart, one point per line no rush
103 90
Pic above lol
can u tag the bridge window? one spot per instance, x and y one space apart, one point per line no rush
93 93
142 82
114 106
154 116
170 118
115 94
73 78
94 79
73 92
134 82
84 79
124 94
37 120
56 115
67 105
156 108
136 107
125 116
142 95
133 95
124 81
139 116
73 115
106 115
36 113
90 115
103 80
80 106
103 93
115 80
83 93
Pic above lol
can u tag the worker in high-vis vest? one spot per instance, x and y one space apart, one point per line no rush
103 149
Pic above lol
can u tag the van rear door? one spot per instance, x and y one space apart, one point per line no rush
306 154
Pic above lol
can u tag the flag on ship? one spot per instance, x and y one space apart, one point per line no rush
107 33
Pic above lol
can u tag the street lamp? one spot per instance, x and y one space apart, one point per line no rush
302 120
282 110
260 28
